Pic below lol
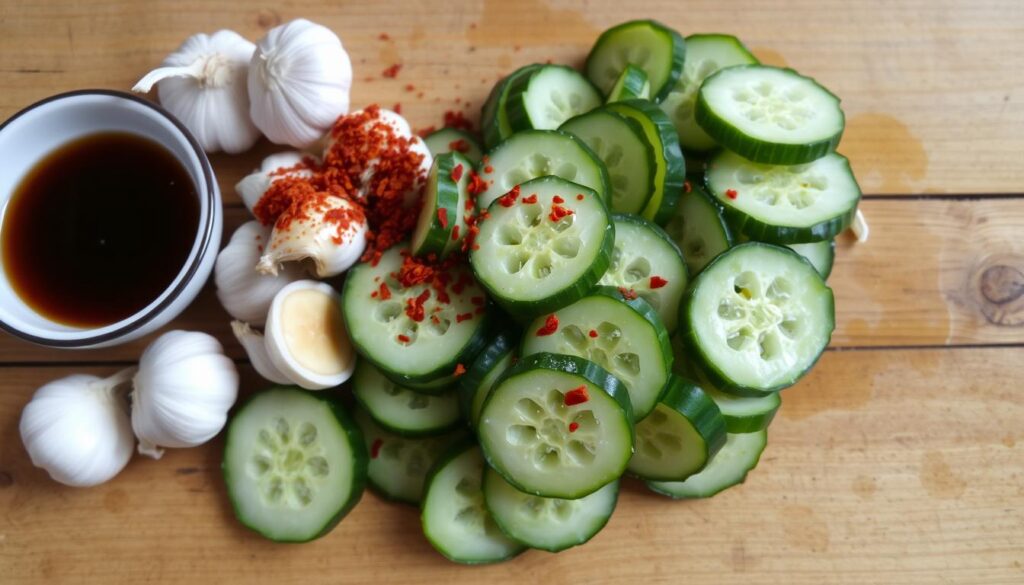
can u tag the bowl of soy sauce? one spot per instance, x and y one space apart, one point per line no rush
110 219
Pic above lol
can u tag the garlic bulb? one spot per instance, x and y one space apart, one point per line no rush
299 82
182 392
77 428
203 83
252 188
245 293
252 342
331 232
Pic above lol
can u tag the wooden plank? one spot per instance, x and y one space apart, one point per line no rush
883 467
930 107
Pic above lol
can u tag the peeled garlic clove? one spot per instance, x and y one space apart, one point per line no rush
330 232
399 126
252 188
255 348
243 292
306 337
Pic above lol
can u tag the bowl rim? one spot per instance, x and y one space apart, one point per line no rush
204 234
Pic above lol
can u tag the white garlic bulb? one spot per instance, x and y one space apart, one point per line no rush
313 236
77 428
245 293
255 348
203 83
299 82
182 392
254 185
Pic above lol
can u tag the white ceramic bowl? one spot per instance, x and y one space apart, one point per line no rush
37 130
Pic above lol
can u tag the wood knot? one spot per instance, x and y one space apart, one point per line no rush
268 19
1002 284
999 283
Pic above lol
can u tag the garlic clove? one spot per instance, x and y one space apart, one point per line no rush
254 185
255 348
306 336
333 245
243 292
419 147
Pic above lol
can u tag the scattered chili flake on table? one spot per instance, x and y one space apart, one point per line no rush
731 193
397 108
375 448
592 333
459 370
627 293
576 396
549 327
384 37
392 72
457 172
455 119
530 200
658 282
573 426
442 216
410 87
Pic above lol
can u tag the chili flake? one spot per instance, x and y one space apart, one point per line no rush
627 293
558 212
385 292
459 145
375 448
687 187
573 426
557 199
658 282
476 184
392 72
384 37
397 108
455 233
576 396
592 333
488 169
531 199
455 119
442 216
579 197
549 327
731 193
414 307
403 338
463 317
459 370
509 199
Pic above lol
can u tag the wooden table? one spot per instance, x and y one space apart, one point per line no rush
900 459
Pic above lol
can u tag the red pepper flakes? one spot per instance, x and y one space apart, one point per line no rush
558 212
384 37
455 234
687 187
385 292
627 293
658 282
459 370
434 319
374 294
375 448
731 193
549 327
530 200
459 145
573 426
457 172
469 204
509 199
576 396
410 87
463 317
476 184
592 333
579 197
488 169
414 307
392 72
455 119
556 199
442 216
397 108
403 338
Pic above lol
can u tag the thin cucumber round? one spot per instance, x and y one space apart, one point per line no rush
647 261
621 145
294 464
769 115
454 140
680 436
744 414
820 254
648 44
698 228
543 246
550 524
729 467
494 125
757 318
780 204
548 96
557 426
632 84
476 384
441 212
454 517
623 336
401 410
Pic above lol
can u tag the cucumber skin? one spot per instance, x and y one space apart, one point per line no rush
490 113
357 444
497 347
665 493
678 54
515 105
632 85
475 150
447 198
402 432
715 376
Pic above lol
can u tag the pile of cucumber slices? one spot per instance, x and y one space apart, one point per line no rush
651 242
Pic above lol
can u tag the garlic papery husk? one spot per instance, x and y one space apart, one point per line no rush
182 392
306 337
252 342
299 82
860 228
252 188
245 293
77 428
330 231
203 83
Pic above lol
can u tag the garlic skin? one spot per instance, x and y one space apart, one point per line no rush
313 238
243 292
182 392
203 83
255 348
299 81
77 428
254 185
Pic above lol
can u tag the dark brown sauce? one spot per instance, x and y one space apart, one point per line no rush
99 228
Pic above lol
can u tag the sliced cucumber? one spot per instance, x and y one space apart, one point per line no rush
769 115
648 44
729 467
820 254
419 354
680 436
632 84
454 140
294 464
548 96
401 410
550 524
455 519
533 260
476 384
494 123
537 153
624 336
670 166
744 414
557 426
443 200
621 145
785 204
646 261
705 54
698 228
757 318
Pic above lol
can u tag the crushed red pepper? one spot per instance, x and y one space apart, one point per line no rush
531 199
687 187
459 370
558 212
573 426
731 193
457 173
627 293
576 396
392 72
579 197
385 292
509 199
442 216
414 306
658 282
592 333
459 145
375 448
549 327
557 200
456 119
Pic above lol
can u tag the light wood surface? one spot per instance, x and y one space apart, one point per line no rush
898 460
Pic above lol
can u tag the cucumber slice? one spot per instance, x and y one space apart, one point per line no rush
443 200
646 261
821 255
744 414
729 467
757 319
454 517
416 354
494 123
648 44
401 410
769 115
670 166
548 96
454 140
546 447
698 228
705 54
294 464
533 263
632 84
550 524
476 384
621 145
625 337
536 153
680 436
399 465
780 204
